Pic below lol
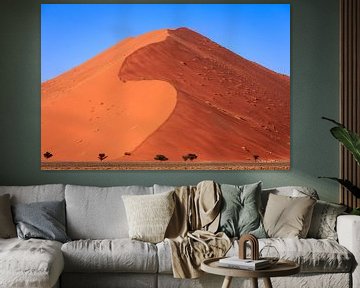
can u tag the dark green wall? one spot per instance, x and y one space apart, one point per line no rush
314 93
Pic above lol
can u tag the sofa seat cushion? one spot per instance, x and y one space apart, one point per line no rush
313 255
115 255
30 263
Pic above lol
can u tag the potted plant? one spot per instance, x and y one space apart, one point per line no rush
351 141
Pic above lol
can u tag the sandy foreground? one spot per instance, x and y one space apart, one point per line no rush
163 166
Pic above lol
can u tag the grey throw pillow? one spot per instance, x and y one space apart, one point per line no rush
7 226
240 213
44 220
323 222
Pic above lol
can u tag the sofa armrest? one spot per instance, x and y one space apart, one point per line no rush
348 230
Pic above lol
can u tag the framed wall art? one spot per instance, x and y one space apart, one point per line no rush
165 86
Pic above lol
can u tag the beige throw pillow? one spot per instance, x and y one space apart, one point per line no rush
288 217
149 215
7 226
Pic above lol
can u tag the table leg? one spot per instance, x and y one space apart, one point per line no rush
267 283
254 282
227 282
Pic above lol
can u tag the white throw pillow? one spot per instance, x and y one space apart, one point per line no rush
149 215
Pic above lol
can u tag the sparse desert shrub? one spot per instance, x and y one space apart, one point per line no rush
160 157
102 156
189 156
256 157
127 154
47 155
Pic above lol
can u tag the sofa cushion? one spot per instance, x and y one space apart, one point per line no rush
36 193
287 216
117 255
164 257
323 222
43 220
7 226
240 210
313 255
149 215
30 263
98 213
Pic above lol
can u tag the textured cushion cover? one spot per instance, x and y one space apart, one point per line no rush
323 222
313 255
117 255
240 210
32 263
287 216
7 227
98 213
44 220
149 215
164 257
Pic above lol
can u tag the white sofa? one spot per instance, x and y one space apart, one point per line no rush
101 255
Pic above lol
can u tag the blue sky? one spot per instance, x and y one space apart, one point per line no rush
74 33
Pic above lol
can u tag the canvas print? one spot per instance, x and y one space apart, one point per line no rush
165 86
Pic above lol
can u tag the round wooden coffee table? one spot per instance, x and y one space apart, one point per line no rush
281 268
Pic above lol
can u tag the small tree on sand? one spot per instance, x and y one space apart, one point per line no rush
102 156
189 156
161 157
47 155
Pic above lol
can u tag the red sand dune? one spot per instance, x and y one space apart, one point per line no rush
169 92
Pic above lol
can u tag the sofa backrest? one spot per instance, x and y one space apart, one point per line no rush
36 193
163 188
98 212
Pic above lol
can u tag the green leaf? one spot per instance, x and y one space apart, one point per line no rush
349 139
333 121
355 211
347 184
